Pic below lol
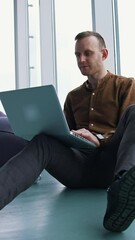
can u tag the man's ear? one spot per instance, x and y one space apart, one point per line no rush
104 53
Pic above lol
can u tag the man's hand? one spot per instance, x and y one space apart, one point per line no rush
88 135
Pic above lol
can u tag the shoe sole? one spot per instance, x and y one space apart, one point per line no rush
124 213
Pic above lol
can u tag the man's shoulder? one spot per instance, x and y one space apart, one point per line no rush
120 79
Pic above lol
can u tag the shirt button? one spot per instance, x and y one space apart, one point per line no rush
92 124
93 93
92 109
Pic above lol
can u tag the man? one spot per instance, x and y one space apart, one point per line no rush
102 110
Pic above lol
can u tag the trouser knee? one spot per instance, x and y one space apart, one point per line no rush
131 109
130 113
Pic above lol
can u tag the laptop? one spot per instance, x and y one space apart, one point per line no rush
36 110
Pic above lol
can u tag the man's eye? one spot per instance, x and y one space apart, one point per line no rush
77 55
87 54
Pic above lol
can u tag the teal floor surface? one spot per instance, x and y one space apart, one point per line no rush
49 211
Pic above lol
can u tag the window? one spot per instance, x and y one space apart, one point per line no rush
126 20
7 56
71 18
34 43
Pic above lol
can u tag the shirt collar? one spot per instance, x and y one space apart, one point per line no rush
89 86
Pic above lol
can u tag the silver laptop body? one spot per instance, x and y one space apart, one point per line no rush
36 110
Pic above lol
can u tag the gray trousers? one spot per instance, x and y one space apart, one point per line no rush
74 168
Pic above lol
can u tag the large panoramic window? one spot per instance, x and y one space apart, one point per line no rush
71 18
7 54
34 42
126 18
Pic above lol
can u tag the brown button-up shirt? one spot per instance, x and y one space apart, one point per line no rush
99 110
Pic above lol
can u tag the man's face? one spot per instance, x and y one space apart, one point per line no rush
89 56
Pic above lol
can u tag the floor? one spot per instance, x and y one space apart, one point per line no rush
48 211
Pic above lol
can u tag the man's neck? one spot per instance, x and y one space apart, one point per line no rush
93 80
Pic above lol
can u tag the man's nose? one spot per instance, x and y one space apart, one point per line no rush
82 58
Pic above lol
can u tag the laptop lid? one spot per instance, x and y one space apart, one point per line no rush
36 110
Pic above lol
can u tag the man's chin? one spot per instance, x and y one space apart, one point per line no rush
85 73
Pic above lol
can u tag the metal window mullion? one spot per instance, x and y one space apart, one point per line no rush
21 44
105 22
48 45
116 36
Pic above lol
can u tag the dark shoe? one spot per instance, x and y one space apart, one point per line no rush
121 203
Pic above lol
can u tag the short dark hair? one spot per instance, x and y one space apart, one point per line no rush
89 34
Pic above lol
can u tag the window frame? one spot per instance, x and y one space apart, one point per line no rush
109 30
